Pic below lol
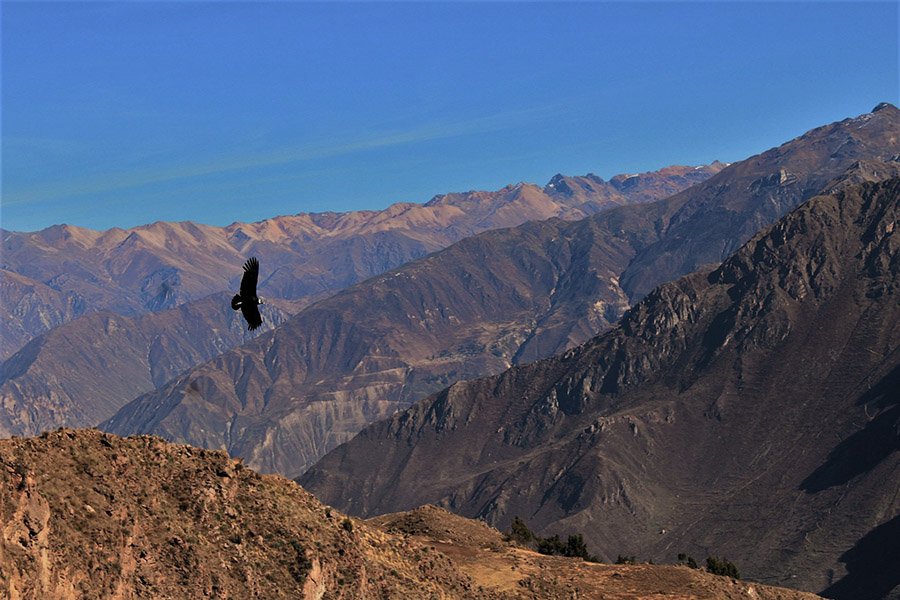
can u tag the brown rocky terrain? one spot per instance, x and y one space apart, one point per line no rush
56 274
83 371
751 410
505 569
90 515
659 184
503 297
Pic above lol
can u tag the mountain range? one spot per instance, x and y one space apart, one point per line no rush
497 299
56 381
56 274
751 409
746 408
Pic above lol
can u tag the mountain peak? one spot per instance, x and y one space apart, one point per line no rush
883 106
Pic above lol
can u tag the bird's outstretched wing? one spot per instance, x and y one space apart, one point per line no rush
251 314
248 281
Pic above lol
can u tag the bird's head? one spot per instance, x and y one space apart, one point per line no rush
260 301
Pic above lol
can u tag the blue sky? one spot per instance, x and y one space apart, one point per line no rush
118 114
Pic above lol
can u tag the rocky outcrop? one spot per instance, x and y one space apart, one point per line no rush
88 515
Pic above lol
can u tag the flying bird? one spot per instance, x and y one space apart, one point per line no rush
247 301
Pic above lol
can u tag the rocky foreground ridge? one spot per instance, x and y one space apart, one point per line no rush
90 515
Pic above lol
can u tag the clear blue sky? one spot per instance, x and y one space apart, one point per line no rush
117 114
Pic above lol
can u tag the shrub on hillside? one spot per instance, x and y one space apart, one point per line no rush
574 546
520 533
722 566
688 560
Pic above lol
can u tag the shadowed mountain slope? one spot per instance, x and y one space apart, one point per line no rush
88 515
500 298
751 410
304 257
83 371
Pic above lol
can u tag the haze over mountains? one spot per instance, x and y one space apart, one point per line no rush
500 298
752 410
56 274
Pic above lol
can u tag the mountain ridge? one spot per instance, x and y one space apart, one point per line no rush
697 225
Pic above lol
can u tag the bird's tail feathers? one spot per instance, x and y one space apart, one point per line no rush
236 302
